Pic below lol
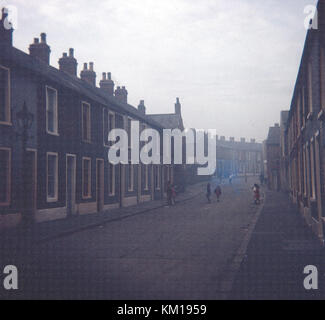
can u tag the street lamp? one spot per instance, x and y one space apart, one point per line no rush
24 123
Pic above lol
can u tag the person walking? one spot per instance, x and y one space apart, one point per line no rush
218 192
256 190
209 192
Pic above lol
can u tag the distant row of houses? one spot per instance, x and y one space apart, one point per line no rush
54 140
295 148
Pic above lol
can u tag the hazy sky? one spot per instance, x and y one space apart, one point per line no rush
233 63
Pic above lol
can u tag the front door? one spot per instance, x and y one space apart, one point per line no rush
100 184
71 185
31 184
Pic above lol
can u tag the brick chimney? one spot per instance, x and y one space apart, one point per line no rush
232 139
6 29
276 125
121 94
68 64
40 50
141 107
107 84
222 138
177 107
253 140
89 75
243 140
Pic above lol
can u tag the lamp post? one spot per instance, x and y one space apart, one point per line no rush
24 122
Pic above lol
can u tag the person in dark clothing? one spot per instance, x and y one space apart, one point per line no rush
217 191
209 192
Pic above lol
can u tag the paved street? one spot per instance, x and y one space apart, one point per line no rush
179 252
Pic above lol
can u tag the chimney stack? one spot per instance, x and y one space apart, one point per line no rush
89 75
232 139
68 64
107 84
222 138
276 125
253 140
121 94
141 107
40 50
177 107
243 140
6 28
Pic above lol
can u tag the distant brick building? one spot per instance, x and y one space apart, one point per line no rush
304 136
284 169
273 153
238 157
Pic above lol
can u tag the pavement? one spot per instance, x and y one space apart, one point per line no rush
280 247
49 230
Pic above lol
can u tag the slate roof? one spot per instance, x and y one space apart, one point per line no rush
74 83
168 120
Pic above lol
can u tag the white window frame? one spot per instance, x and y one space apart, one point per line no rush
55 112
146 177
89 191
109 113
111 192
157 177
8 185
7 121
88 139
56 177
130 174
310 89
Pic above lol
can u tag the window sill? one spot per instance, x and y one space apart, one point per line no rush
86 141
5 123
51 200
5 204
86 197
53 133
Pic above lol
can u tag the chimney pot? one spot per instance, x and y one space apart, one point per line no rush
85 66
71 52
68 64
106 84
177 106
43 37
41 50
141 107
89 75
